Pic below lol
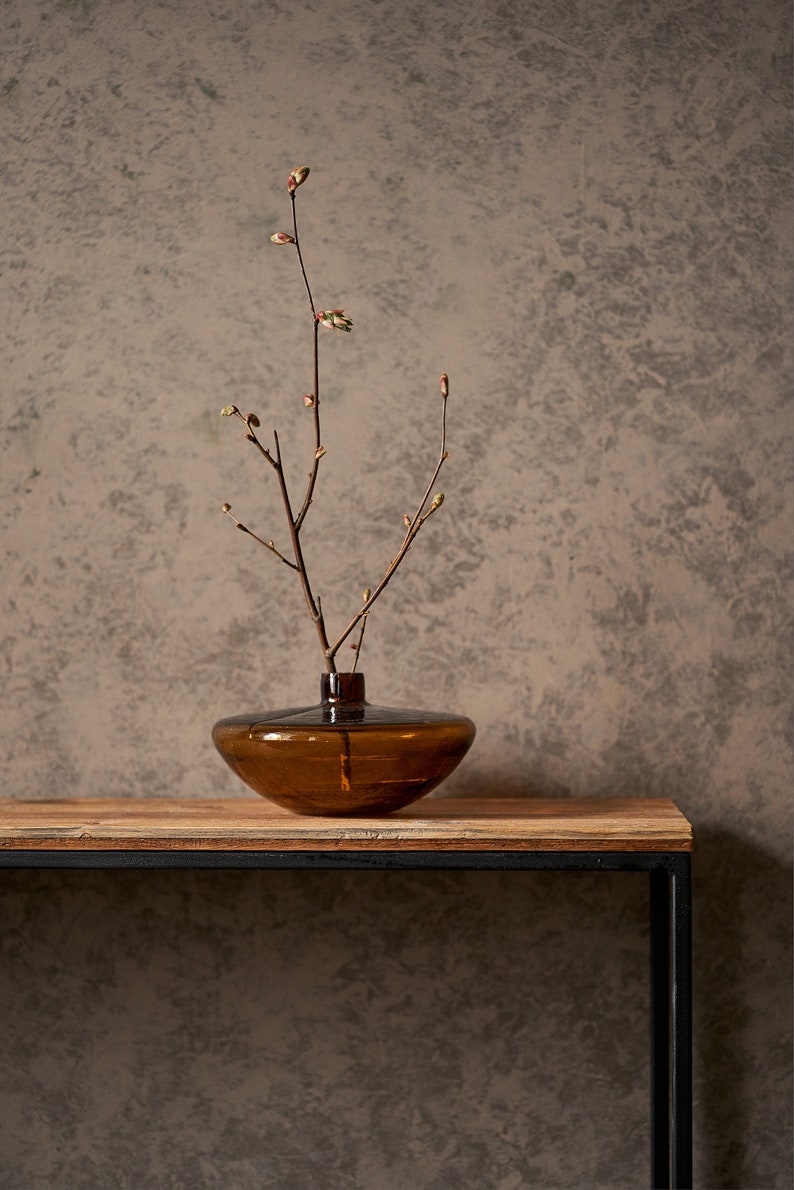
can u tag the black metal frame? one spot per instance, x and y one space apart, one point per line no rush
670 932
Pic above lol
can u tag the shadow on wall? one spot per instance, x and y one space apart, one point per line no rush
742 946
742 1006
368 1029
379 1029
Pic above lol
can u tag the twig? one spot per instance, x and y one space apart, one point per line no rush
251 422
412 528
332 318
358 644
227 508
315 611
307 499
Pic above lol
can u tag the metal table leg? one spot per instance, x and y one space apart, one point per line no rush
681 1022
671 1024
660 1029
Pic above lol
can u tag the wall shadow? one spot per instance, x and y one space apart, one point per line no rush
372 1029
742 999
239 1006
742 1003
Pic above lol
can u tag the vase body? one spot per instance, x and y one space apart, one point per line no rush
343 756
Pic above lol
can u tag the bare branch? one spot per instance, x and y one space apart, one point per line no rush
359 642
315 610
427 505
307 499
414 525
227 508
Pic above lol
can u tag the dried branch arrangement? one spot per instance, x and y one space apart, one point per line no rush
292 556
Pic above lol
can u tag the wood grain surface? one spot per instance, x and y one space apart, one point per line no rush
252 824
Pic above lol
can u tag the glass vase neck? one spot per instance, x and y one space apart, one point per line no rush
340 688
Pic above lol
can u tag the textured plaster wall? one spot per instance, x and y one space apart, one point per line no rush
582 212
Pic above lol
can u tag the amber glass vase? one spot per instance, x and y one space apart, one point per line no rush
343 756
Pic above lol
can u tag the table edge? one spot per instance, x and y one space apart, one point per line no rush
463 824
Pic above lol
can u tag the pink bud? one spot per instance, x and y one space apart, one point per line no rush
297 177
335 320
444 384
308 401
406 520
281 237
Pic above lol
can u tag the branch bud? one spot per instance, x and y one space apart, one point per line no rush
298 176
281 237
366 594
437 500
444 385
229 411
336 320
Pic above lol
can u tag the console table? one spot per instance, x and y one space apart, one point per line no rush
573 835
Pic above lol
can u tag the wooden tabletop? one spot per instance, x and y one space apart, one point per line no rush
253 824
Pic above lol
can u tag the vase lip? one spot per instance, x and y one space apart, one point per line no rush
342 687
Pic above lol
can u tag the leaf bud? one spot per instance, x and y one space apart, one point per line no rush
366 594
229 410
406 520
437 500
308 400
298 176
320 451
336 320
281 237
444 384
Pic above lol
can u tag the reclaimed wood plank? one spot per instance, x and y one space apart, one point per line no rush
434 824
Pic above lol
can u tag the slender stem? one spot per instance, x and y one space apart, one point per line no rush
316 394
359 642
300 256
267 544
315 608
410 533
295 523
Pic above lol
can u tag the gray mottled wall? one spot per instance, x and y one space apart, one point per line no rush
582 212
